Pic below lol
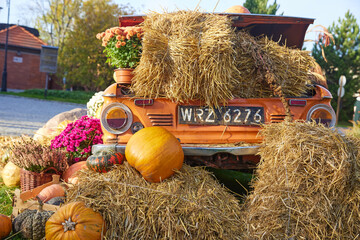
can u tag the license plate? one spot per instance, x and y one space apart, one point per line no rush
230 115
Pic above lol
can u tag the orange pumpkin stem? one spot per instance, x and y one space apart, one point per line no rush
69 225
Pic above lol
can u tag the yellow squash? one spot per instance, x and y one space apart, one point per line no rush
11 175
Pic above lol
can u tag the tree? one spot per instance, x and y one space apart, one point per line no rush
55 19
343 58
82 61
261 7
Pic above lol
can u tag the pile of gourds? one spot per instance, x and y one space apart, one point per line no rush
152 151
72 221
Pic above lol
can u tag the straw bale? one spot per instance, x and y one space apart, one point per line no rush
217 60
306 185
156 64
189 205
186 55
260 59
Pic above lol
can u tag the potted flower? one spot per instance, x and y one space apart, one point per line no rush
123 49
78 137
37 162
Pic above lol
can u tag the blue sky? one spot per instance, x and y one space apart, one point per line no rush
325 12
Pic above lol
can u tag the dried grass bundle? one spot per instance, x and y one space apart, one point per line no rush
217 60
184 48
261 59
306 185
5 152
189 205
155 67
187 55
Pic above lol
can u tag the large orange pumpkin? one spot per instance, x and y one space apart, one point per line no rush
70 175
155 153
75 221
5 226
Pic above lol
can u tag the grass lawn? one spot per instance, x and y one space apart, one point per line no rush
6 195
344 124
80 97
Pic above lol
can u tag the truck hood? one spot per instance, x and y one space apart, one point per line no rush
283 29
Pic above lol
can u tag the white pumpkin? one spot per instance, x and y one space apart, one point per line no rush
11 175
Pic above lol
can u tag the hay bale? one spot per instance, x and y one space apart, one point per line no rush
182 53
189 205
155 67
260 61
306 185
188 55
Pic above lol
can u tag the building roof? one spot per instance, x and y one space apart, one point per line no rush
29 29
19 36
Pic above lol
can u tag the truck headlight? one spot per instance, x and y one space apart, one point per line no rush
322 113
116 118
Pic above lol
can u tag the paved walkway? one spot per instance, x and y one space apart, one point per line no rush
20 115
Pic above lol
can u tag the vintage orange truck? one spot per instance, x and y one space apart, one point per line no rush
226 137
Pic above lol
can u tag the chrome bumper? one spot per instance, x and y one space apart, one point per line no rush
188 150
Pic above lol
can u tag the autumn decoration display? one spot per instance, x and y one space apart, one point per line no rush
122 46
70 175
50 192
31 223
103 161
78 137
155 153
95 104
11 175
32 156
75 221
5 226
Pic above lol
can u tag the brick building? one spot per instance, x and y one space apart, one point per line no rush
23 57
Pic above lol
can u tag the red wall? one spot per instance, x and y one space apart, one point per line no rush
24 75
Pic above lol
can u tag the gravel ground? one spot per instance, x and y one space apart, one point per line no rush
20 115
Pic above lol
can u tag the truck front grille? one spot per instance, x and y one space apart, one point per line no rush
277 118
161 119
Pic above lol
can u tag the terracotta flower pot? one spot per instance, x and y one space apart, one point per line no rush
123 75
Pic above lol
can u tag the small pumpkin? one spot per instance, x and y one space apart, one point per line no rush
237 9
103 161
11 175
31 223
54 190
70 174
5 226
75 221
155 153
